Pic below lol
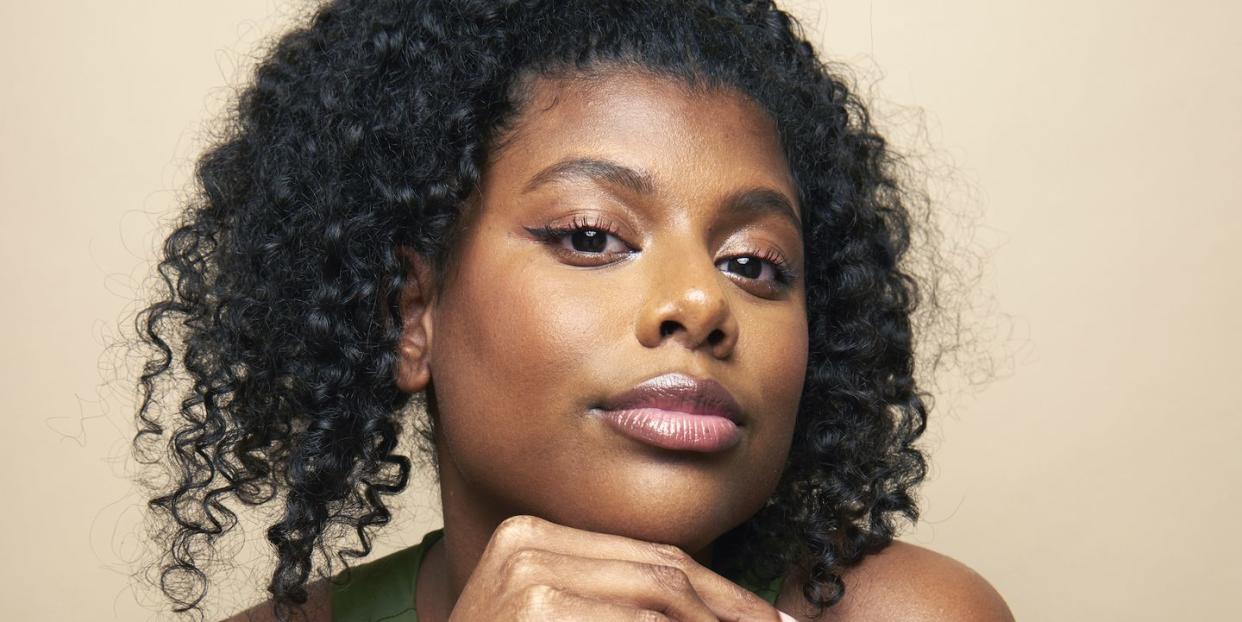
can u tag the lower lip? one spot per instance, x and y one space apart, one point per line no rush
670 429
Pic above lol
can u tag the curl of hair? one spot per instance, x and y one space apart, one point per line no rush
366 130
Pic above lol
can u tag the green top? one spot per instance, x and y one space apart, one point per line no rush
383 589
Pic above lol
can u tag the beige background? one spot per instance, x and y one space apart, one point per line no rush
1097 145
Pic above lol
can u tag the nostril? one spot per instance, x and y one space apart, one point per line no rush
667 328
716 337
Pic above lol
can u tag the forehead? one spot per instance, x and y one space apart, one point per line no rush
683 137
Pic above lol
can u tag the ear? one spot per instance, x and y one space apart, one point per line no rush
413 371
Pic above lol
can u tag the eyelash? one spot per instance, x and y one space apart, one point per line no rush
554 234
784 274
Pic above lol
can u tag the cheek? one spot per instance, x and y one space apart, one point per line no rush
795 360
527 324
513 333
776 351
776 356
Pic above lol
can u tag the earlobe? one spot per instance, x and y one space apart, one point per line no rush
413 369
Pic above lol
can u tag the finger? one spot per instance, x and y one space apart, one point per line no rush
548 603
727 600
663 589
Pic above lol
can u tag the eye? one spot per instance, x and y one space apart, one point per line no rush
767 268
749 267
588 240
583 238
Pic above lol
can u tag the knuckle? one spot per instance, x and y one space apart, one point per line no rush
538 598
670 555
650 616
669 578
522 563
515 530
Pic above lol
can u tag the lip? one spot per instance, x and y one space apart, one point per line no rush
678 412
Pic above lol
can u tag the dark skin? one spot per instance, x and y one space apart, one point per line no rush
674 196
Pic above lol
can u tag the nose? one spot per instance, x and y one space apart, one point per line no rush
688 304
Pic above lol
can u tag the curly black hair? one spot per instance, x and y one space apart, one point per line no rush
366 130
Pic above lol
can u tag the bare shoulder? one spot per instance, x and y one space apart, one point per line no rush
905 582
318 607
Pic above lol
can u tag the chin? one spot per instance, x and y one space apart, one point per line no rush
684 511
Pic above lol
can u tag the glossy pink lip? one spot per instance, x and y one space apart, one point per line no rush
676 411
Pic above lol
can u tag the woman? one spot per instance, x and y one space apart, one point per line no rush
640 264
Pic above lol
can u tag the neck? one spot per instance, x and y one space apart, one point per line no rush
470 519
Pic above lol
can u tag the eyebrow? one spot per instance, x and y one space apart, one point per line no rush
750 203
594 170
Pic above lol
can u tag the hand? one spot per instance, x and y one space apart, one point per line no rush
533 569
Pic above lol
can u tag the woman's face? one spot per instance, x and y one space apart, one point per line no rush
683 215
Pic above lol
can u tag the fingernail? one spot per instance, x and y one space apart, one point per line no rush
785 617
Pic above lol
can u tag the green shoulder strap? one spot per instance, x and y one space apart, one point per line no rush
767 592
382 590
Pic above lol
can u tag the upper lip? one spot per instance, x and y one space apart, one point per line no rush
680 392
